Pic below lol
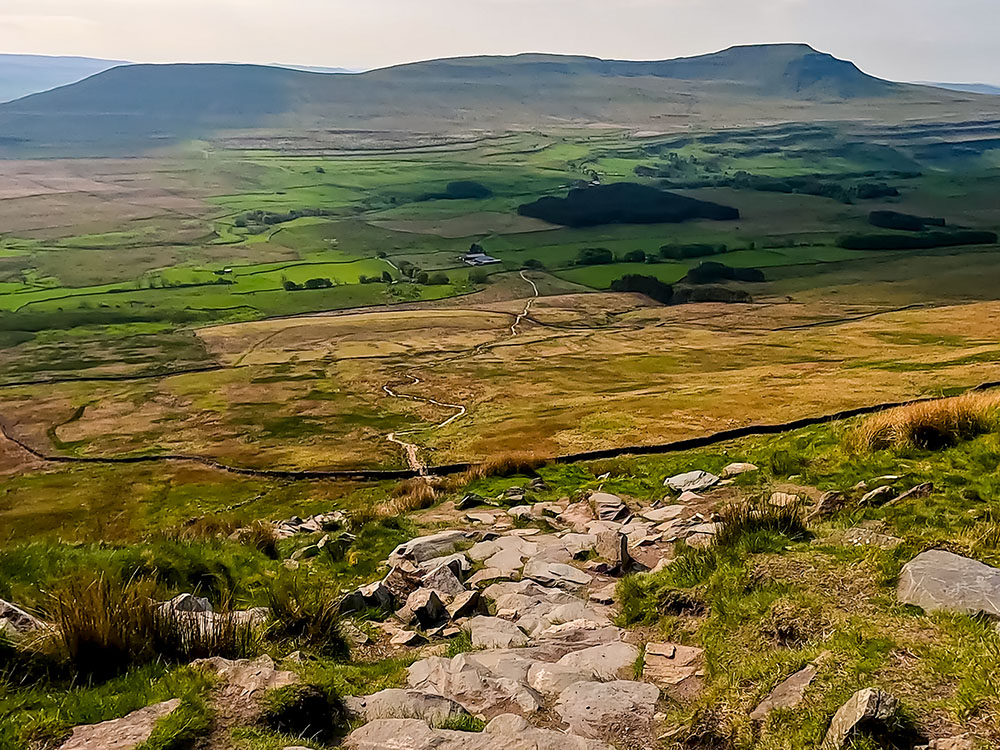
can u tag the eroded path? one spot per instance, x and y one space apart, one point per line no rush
412 450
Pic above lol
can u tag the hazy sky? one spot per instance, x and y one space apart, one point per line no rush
944 40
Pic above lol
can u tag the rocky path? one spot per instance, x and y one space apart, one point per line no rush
546 665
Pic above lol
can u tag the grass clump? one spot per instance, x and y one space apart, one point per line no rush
306 710
501 465
181 728
261 536
463 723
930 425
752 524
105 625
409 495
309 618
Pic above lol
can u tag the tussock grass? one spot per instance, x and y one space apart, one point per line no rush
308 710
744 522
105 625
501 465
929 424
261 536
307 616
409 495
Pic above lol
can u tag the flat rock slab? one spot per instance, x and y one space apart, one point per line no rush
426 547
672 666
13 619
552 679
492 632
691 481
609 507
943 581
664 514
505 732
736 469
620 710
860 537
404 704
604 662
556 574
788 694
249 676
120 734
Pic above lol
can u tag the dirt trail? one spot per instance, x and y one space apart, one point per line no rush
411 449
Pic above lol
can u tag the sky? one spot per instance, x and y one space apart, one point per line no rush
910 40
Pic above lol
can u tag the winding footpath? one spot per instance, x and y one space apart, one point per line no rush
411 449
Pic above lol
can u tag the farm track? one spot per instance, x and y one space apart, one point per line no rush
444 470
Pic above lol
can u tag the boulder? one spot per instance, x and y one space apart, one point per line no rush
471 500
609 507
788 694
691 481
373 596
408 638
736 469
578 544
938 580
486 519
466 604
492 632
425 547
444 581
866 710
125 733
556 574
963 742
424 607
604 595
604 662
14 620
473 684
404 704
620 710
401 581
508 561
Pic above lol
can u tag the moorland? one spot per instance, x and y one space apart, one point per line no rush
222 318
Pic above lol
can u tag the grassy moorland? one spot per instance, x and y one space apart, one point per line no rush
764 600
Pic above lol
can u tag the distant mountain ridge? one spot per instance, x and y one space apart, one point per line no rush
170 102
21 75
968 88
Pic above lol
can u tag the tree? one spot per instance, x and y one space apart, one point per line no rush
437 279
594 256
479 276
387 277
533 263
290 286
635 256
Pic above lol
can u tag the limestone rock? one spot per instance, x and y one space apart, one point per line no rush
938 580
620 710
612 547
673 667
784 499
424 607
492 632
605 595
466 604
691 481
186 603
487 575
921 490
735 469
404 704
120 734
249 676
556 574
664 514
861 537
444 581
577 516
964 742
552 679
788 694
458 562
505 732
868 708
609 507
878 496
14 620
604 662
425 547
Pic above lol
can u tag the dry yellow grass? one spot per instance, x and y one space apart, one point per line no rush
930 424
502 465
409 495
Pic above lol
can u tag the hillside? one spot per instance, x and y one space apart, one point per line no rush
184 101
21 75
